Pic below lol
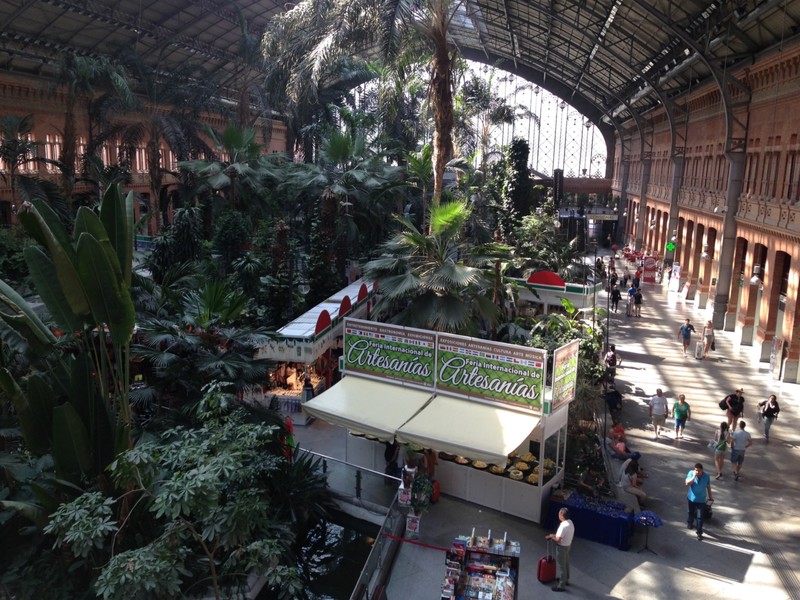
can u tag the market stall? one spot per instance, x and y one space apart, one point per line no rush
304 352
482 405
371 410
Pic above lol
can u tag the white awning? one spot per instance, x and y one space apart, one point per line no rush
471 429
368 406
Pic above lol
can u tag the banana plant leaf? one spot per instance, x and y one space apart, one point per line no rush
86 221
33 512
36 440
117 217
42 223
71 448
18 314
45 278
108 295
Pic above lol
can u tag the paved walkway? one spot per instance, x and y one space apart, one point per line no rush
752 545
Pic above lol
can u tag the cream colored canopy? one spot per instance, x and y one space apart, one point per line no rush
368 406
467 428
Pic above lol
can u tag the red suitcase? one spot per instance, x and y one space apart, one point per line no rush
546 572
436 492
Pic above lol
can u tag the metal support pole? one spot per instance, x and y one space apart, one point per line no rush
594 290
608 316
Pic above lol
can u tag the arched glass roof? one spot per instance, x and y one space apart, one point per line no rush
606 58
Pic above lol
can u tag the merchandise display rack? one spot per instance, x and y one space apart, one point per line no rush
481 568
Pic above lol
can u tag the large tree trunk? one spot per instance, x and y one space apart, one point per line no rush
441 93
155 175
68 148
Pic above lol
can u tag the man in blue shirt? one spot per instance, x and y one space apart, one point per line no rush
685 335
699 484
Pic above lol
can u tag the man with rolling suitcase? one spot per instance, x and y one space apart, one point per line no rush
563 539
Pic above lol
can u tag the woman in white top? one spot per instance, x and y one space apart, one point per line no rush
708 337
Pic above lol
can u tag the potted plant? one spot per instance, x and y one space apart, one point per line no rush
421 491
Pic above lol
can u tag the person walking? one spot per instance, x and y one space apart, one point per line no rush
685 334
616 296
708 338
740 441
629 308
735 410
563 539
681 412
699 484
721 437
769 411
637 303
659 409
611 361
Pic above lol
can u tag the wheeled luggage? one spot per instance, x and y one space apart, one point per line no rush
546 572
699 347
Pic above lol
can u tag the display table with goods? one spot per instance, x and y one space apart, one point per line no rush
481 568
511 488
602 521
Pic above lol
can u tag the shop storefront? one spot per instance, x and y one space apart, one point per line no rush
483 406
305 352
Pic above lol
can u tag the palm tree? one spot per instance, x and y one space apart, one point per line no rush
352 187
238 170
436 280
430 19
203 343
18 150
328 32
167 113
80 77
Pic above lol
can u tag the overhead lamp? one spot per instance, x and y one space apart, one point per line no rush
756 278
704 253
721 209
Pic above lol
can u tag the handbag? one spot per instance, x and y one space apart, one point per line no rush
713 344
712 445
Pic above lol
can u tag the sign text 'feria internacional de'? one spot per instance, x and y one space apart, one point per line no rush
392 352
490 370
453 364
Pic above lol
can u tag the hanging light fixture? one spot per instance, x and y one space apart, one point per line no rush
756 278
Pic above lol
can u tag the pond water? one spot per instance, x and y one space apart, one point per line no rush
332 557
